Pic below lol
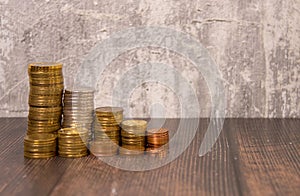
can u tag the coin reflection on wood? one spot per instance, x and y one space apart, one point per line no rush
106 131
45 109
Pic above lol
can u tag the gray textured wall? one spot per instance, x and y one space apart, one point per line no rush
255 43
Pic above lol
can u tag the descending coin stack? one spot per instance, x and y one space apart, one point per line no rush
71 143
78 110
157 140
45 101
107 131
133 138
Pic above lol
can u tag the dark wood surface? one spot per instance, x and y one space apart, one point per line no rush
251 157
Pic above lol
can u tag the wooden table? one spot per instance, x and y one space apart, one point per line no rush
251 157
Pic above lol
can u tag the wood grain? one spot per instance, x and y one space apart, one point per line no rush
251 157
187 175
267 156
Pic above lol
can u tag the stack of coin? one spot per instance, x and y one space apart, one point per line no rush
78 111
133 138
157 140
40 145
106 131
45 101
71 143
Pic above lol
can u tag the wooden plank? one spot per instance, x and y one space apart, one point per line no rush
21 176
267 155
187 175
251 157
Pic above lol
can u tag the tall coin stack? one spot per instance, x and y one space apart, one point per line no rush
106 131
157 140
78 111
133 137
45 109
71 143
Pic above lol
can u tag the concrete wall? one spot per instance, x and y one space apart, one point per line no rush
255 43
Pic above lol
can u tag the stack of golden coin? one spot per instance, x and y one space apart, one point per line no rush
133 140
78 111
40 145
106 131
71 143
45 105
157 140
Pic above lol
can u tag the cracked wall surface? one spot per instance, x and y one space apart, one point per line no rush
256 45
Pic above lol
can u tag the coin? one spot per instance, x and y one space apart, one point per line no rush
106 131
44 67
74 155
40 138
72 141
134 124
133 137
157 137
39 155
39 145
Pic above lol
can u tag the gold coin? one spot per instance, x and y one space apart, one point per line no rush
44 67
35 144
40 149
72 145
40 131
44 104
48 80
57 85
40 138
53 74
133 133
74 152
46 92
69 150
43 114
134 124
108 111
72 155
71 131
53 87
44 123
72 142
39 155
41 110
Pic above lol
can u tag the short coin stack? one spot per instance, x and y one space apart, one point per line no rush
107 131
40 145
157 140
133 137
45 108
79 110
71 143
